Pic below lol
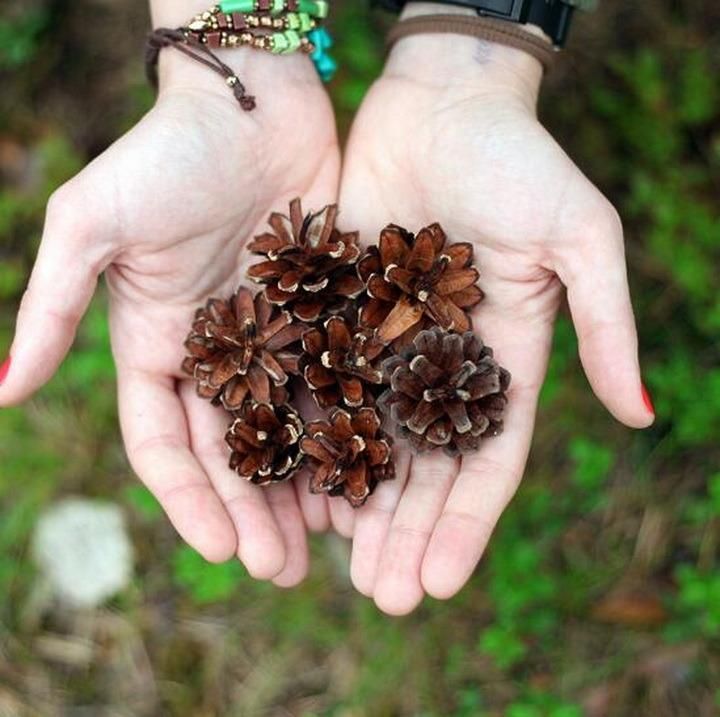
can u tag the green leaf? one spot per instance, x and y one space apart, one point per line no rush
206 583
143 501
506 648
593 462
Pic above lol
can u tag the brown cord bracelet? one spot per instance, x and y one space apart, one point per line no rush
483 28
164 37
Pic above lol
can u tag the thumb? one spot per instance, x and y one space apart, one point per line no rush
595 275
62 283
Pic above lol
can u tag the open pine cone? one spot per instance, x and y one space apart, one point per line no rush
445 391
338 363
265 442
351 453
415 282
310 267
238 348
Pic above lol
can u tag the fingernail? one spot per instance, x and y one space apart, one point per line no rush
5 369
647 400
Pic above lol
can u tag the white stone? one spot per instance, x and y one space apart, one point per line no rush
83 551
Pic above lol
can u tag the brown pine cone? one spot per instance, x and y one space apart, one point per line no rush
239 348
265 442
338 363
351 454
445 390
310 267
415 282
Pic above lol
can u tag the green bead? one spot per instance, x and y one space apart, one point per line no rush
293 40
306 22
277 7
316 8
230 6
279 43
294 21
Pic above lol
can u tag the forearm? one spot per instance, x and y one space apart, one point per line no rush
450 59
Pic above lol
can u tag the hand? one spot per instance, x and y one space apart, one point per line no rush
165 212
449 134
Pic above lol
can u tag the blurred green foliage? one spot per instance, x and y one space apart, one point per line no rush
602 581
20 37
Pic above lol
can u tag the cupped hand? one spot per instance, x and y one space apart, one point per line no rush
450 134
165 212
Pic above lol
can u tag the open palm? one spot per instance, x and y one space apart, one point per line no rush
477 160
166 212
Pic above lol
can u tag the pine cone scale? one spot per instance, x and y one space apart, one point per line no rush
422 255
424 415
454 281
467 298
403 317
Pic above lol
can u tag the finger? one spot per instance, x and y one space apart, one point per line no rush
156 435
596 279
486 483
398 589
372 524
260 543
489 478
342 516
64 278
314 507
284 506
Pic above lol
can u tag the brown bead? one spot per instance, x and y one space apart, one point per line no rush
213 39
263 5
238 21
291 5
222 20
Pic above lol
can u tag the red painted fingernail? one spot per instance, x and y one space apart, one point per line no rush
5 369
647 400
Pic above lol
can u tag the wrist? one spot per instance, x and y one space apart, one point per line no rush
262 73
452 61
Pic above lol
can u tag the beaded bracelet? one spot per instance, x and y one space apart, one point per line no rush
280 27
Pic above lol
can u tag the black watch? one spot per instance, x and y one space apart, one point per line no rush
552 16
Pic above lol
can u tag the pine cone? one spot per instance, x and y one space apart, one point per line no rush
352 455
415 282
310 267
338 363
445 390
265 442
239 348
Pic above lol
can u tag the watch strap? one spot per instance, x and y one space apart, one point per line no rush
552 16
483 28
